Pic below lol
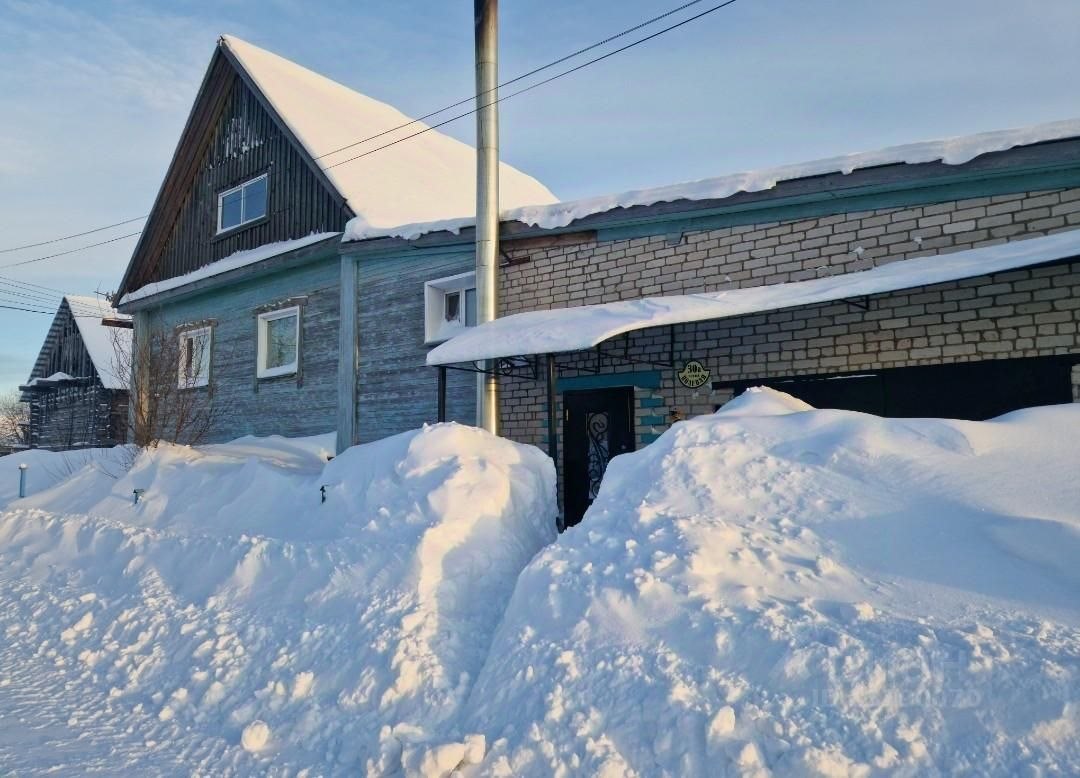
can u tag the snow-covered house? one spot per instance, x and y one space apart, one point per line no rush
933 279
77 392
240 260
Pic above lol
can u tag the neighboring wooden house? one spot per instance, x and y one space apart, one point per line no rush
239 260
77 393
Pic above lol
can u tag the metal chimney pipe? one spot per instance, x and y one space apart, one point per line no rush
487 195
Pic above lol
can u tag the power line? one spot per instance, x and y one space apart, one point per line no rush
70 251
514 80
417 120
434 113
75 235
540 83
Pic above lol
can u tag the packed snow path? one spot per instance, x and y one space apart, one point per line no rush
769 590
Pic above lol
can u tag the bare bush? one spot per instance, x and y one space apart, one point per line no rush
14 421
173 396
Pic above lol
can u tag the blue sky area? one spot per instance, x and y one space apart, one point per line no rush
93 95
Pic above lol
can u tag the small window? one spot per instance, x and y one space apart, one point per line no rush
449 306
452 306
279 342
242 204
194 368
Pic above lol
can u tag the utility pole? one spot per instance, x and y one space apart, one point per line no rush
487 196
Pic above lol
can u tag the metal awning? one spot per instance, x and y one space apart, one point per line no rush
583 327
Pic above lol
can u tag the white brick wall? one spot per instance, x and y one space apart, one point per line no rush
1018 314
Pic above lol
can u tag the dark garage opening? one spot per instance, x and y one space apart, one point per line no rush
963 390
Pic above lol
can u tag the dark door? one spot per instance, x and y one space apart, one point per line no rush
597 425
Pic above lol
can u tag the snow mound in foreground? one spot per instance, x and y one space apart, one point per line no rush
232 622
778 590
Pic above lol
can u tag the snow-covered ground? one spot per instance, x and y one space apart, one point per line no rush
773 589
767 590
232 623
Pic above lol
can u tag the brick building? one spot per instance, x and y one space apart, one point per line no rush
972 347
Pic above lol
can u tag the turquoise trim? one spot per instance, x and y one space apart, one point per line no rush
646 438
652 421
650 402
646 379
830 203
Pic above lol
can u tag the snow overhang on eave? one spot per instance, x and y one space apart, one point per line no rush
232 269
584 327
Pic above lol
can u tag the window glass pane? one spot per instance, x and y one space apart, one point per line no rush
200 346
231 209
452 306
255 200
470 307
280 342
186 359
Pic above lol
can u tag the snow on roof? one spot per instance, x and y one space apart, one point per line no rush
951 151
101 341
429 177
572 329
55 378
232 262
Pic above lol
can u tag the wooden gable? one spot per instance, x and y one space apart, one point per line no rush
232 135
63 350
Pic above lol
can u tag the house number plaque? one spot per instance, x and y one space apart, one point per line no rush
693 374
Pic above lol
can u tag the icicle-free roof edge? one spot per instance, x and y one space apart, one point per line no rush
564 330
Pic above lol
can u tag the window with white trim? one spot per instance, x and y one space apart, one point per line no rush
279 342
194 368
242 204
449 306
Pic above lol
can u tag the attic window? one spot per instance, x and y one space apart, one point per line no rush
242 204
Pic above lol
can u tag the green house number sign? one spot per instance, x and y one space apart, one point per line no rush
693 374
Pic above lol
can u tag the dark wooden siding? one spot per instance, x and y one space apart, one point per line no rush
71 416
76 414
244 142
396 391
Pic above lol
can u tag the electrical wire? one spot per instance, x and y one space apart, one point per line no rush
70 251
417 120
514 80
75 235
539 83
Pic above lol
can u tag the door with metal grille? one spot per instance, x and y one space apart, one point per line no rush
597 425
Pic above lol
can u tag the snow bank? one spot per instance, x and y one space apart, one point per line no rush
233 622
778 590
950 151
44 469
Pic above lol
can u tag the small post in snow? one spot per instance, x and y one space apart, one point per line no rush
138 493
22 479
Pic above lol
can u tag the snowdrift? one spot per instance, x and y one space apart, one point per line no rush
770 590
779 590
233 623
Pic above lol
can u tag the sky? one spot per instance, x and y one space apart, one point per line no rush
93 96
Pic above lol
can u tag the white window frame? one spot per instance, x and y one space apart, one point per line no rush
262 371
202 378
243 200
436 328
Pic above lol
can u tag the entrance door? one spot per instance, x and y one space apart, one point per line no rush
597 425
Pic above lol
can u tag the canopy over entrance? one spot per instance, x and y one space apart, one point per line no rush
583 327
